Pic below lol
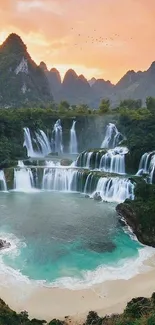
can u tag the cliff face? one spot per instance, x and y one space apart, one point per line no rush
145 234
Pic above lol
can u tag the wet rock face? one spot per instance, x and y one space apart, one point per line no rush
145 235
97 196
4 244
66 162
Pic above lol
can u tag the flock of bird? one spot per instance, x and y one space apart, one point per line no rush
106 41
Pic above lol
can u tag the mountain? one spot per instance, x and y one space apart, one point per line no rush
92 81
101 89
135 85
22 82
75 89
53 77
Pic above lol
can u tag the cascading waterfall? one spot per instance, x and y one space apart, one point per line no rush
147 165
20 164
144 163
152 169
57 137
115 189
113 161
51 163
23 178
59 179
28 143
73 147
3 185
112 137
41 142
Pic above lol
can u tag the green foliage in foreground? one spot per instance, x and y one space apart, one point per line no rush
139 311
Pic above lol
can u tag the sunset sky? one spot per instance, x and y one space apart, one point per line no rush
101 38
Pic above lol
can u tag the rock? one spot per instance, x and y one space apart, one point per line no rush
144 235
97 196
86 196
66 162
4 244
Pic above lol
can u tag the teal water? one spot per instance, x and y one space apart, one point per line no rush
64 237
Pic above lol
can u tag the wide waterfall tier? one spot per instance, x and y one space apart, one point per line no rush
73 146
112 137
69 179
37 145
147 166
111 161
3 185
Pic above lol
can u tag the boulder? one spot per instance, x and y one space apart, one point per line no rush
4 244
66 162
97 196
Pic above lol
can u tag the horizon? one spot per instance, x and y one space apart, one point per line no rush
106 49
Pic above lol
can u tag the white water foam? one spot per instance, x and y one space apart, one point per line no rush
124 269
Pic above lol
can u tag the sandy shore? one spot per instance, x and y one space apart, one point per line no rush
106 298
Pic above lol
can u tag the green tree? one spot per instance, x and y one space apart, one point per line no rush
64 106
131 103
104 106
150 103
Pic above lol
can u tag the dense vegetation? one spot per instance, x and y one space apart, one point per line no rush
140 213
136 122
139 311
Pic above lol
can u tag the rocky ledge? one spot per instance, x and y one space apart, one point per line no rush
146 235
4 244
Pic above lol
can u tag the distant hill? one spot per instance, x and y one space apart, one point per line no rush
23 83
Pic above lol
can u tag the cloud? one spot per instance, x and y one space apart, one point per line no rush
47 6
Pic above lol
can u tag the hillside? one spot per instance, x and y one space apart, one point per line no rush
22 82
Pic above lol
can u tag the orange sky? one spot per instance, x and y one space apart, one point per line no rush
101 38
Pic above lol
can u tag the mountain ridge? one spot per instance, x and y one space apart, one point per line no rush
24 83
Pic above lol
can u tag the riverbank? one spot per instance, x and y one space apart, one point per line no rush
48 303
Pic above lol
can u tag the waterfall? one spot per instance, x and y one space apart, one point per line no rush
20 164
59 179
88 183
40 141
57 134
3 185
73 147
114 189
28 143
44 143
112 137
23 178
50 163
113 161
147 165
